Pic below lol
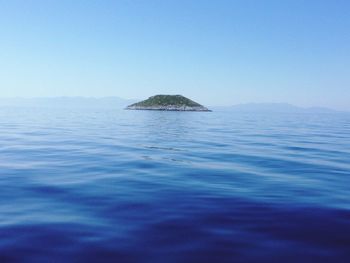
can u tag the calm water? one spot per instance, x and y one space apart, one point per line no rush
126 186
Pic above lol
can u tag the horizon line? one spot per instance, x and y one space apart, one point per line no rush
133 99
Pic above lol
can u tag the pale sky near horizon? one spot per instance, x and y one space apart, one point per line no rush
216 52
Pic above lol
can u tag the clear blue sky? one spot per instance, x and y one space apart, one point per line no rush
217 52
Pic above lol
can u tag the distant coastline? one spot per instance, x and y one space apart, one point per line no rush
121 103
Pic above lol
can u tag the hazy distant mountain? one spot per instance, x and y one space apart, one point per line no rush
276 107
119 103
69 102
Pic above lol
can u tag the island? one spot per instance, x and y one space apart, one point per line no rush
168 103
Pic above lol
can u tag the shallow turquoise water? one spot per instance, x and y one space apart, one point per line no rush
133 186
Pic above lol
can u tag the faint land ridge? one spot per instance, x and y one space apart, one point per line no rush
278 108
168 103
67 102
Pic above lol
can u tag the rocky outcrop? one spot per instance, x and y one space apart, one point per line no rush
168 103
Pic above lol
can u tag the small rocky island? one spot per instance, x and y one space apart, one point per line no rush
168 103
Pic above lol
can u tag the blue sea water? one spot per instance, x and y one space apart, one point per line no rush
107 185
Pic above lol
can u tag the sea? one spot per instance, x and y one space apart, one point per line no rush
111 185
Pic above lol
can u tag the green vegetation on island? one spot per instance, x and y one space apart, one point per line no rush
168 103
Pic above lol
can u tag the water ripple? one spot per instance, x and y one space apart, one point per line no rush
122 186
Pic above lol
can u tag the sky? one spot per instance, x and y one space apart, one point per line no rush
216 52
